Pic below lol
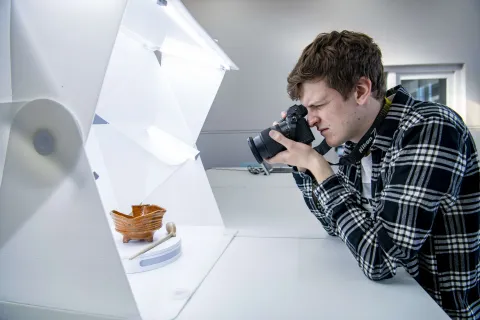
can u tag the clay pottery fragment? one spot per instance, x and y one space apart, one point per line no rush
141 224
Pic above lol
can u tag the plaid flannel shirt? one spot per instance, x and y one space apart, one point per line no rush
426 199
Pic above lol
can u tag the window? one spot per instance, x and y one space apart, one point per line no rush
430 87
443 84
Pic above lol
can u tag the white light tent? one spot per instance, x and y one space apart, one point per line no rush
148 72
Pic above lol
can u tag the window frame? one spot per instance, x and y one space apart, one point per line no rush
453 73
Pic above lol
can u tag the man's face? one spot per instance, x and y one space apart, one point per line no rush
334 117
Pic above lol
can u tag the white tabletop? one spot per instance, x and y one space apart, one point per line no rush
260 205
162 293
283 265
273 278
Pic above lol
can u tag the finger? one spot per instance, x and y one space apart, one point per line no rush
283 114
271 160
280 138
280 157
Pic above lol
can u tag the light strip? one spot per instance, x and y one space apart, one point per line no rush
177 11
170 149
193 53
178 49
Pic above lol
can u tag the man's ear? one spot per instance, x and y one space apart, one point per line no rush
363 89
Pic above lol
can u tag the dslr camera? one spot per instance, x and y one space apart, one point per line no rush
294 127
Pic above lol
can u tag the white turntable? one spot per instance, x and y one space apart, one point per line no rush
163 254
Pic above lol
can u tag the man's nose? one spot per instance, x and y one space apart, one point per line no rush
312 120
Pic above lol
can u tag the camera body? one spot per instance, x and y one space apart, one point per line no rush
294 127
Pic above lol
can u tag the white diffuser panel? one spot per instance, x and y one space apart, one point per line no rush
55 247
155 99
5 75
162 78
60 50
133 172
188 197
137 91
5 81
195 86
99 167
61 62
56 251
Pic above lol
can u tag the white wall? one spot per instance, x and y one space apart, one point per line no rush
265 38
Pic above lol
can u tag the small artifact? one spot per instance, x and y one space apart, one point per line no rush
145 220
172 232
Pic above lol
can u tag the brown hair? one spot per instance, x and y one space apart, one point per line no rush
341 59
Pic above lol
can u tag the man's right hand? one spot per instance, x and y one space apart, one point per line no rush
283 114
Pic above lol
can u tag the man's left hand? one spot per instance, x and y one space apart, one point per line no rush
300 155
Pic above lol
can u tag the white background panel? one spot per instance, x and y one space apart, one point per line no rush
133 172
97 163
137 91
5 76
195 87
60 50
159 144
187 196
7 113
153 23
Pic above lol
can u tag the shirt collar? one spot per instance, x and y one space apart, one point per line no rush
383 140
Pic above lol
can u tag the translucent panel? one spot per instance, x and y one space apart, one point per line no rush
137 91
98 165
160 144
162 78
195 86
133 172
7 113
148 21
149 75
155 25
188 197
51 217
60 50
5 76
178 13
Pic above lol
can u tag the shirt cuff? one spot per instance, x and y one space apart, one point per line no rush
302 174
330 193
304 181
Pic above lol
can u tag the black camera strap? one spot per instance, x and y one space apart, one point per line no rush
363 146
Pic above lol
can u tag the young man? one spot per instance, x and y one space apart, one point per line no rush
418 169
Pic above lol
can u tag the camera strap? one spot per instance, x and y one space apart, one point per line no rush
363 146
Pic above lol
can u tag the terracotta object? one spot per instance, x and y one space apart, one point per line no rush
144 221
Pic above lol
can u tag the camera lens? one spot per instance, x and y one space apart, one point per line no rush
263 146
294 126
258 148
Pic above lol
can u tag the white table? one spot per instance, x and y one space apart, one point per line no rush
162 293
263 206
283 265
274 278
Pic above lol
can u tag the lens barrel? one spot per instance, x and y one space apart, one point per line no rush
294 127
253 143
263 146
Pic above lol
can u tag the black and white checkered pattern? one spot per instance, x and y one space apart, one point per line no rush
426 196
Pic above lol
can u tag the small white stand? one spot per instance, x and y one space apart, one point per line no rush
151 73
163 254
